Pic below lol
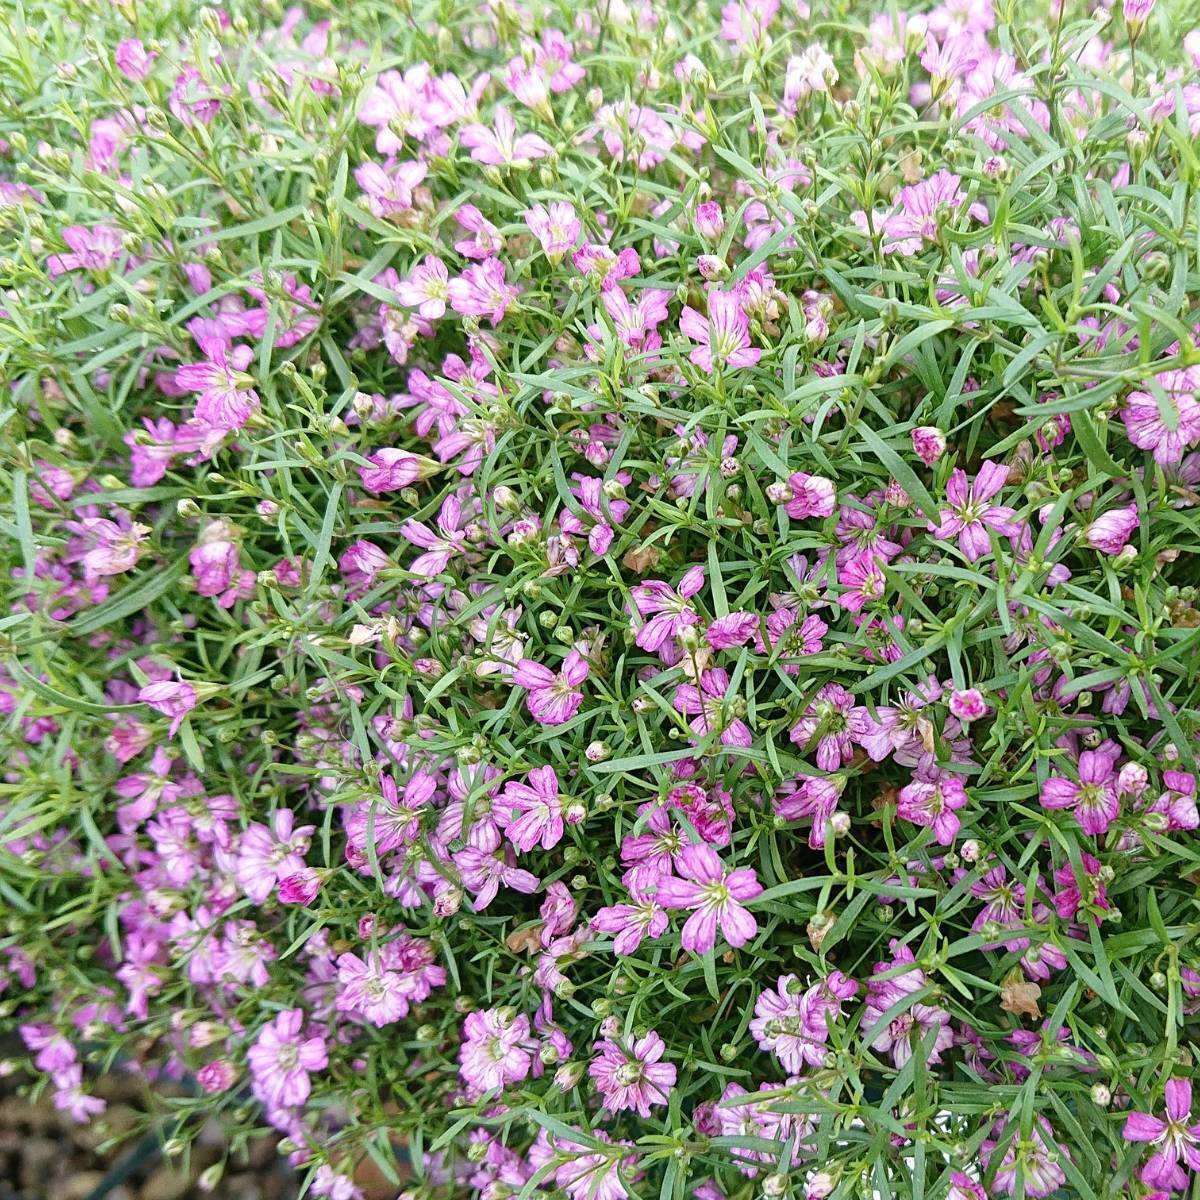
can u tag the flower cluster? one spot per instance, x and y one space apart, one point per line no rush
603 600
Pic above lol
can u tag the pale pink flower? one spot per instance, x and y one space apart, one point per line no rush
1110 531
392 469
497 1049
631 1076
173 699
482 291
811 496
968 704
281 1060
133 59
1174 1137
723 337
226 397
501 145
427 288
642 918
557 228
389 190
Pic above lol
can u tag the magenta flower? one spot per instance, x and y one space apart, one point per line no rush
98 248
1094 798
553 698
909 1027
723 337
793 1022
1144 421
669 610
439 547
266 855
133 59
631 1076
226 396
482 291
501 145
632 923
931 802
1110 531
715 897
497 1049
710 711
929 444
970 513
396 821
791 638
968 705
281 1060
173 699
809 796
392 469
532 813
1175 1137
835 722
811 496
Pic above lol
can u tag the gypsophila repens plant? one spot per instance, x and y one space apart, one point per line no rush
603 599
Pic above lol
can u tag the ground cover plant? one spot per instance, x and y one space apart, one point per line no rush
602 601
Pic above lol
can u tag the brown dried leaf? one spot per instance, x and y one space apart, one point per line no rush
641 559
1020 997
525 940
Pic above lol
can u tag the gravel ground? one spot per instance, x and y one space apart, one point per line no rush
44 1156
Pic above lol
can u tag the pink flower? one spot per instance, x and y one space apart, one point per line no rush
791 638
226 397
793 1022
929 444
931 801
497 1049
715 897
107 547
1135 12
555 59
709 710
643 918
723 337
968 704
216 1076
708 221
733 630
98 248
671 613
501 145
426 288
631 1076
557 228
439 547
172 699
553 698
835 722
368 989
133 59
482 291
970 515
920 205
266 855
1144 421
392 469
532 813
636 319
1174 1137
483 871
811 496
1110 531
281 1060
389 190
301 888
890 985
1094 798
